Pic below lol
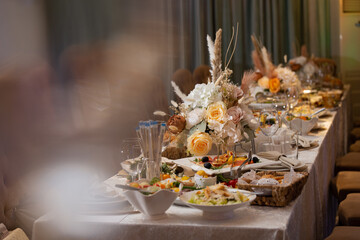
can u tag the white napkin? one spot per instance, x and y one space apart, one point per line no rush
303 142
276 156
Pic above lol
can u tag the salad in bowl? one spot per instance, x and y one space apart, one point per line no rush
218 201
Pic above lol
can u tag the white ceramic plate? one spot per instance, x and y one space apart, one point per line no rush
218 212
180 203
109 207
188 162
262 106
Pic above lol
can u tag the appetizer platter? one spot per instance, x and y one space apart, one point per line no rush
211 165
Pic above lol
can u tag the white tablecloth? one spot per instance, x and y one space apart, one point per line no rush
310 216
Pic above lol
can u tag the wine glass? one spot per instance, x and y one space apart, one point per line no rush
292 96
131 157
269 122
280 105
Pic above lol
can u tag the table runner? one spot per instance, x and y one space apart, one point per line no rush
310 216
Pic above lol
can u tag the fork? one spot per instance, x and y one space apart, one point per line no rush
249 158
232 164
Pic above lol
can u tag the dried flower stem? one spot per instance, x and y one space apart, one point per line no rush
228 48
232 54
217 59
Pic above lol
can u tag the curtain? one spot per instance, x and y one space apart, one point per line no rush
282 26
181 26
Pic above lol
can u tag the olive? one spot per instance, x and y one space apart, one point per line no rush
205 159
255 159
207 165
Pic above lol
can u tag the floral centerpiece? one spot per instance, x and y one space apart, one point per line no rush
270 79
304 66
215 112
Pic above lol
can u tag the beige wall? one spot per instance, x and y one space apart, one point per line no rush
22 32
350 56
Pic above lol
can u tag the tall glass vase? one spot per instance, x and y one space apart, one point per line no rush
153 168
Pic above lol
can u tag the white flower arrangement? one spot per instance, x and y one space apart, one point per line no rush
288 77
215 112
203 95
270 78
303 65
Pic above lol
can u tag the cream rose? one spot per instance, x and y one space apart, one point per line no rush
216 112
264 82
199 143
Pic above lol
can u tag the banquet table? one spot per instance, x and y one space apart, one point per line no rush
310 216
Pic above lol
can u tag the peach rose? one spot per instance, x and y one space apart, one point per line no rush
199 143
216 112
264 82
274 85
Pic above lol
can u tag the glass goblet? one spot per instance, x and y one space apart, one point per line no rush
269 123
292 96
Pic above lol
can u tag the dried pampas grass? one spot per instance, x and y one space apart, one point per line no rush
160 113
257 61
248 78
174 103
215 55
178 92
269 67
211 52
304 51
217 51
261 59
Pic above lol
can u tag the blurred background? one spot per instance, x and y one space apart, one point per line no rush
77 76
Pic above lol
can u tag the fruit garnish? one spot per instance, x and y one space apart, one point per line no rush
205 159
230 160
202 173
184 178
255 160
207 165
165 176
134 184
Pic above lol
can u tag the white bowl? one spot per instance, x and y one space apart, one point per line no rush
154 205
304 126
202 182
218 212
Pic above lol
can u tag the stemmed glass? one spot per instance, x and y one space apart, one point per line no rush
269 123
292 95
132 158
280 105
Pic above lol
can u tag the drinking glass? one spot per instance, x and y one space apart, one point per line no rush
269 123
292 97
131 157
280 105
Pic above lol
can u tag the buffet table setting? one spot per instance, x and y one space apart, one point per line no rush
253 161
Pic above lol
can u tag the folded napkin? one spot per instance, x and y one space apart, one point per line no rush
303 142
276 156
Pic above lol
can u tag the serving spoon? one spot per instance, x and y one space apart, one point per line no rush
317 112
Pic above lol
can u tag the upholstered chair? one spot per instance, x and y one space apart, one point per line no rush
202 74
